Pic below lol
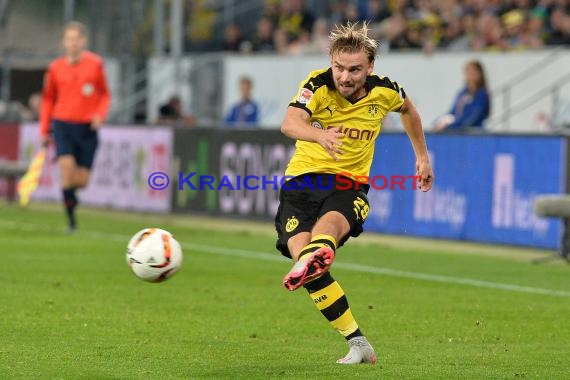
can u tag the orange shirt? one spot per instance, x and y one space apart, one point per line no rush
74 93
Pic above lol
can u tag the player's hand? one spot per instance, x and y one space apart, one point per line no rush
96 122
330 140
45 141
425 173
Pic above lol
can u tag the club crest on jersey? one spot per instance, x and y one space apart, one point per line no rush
305 96
87 89
373 110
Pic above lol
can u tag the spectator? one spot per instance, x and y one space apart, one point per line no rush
296 21
481 25
319 43
351 14
171 113
31 112
513 22
560 28
272 11
490 34
374 11
245 112
533 34
472 105
233 39
468 33
263 38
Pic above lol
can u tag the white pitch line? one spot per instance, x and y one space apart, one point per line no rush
337 264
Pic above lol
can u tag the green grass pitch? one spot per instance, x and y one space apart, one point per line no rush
71 309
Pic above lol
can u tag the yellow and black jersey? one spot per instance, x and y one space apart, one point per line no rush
361 122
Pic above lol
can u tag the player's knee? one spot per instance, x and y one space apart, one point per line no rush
81 178
333 223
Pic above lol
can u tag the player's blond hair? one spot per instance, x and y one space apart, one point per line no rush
352 38
79 26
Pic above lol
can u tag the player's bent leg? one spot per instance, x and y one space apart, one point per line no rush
329 297
332 223
297 242
317 257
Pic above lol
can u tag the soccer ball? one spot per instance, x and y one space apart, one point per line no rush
154 255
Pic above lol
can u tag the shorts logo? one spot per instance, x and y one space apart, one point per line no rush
305 96
87 89
292 224
361 209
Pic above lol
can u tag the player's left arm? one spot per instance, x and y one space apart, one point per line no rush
104 98
413 126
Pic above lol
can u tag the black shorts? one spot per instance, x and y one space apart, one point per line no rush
304 199
76 139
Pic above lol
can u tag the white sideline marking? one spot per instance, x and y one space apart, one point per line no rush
338 265
386 271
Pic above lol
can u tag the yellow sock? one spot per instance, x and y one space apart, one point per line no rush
331 301
317 242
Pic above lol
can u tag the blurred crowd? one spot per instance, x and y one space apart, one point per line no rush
292 27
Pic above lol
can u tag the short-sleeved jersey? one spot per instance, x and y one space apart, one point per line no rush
74 92
360 121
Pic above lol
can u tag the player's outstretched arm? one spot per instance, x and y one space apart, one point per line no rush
413 127
296 126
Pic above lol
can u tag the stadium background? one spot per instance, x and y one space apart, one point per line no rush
435 305
487 180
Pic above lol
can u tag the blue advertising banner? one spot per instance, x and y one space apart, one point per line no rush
484 190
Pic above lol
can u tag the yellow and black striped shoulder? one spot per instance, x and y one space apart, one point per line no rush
319 78
376 81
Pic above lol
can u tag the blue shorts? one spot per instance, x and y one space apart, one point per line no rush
77 139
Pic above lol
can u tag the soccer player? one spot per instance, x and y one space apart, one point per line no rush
75 102
335 118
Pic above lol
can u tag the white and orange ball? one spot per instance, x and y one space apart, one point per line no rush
154 255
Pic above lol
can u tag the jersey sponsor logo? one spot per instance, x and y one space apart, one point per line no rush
358 134
292 224
305 96
87 89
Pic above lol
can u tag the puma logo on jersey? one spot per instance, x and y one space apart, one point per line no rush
310 83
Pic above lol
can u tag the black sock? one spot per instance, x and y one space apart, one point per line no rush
70 202
331 301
